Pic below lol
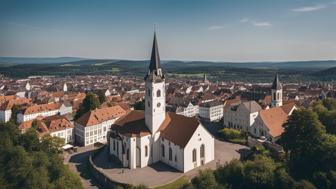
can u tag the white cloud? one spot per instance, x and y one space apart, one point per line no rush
256 23
309 8
216 27
261 24
244 20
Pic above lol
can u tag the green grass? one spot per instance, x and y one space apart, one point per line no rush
66 65
115 70
198 75
176 184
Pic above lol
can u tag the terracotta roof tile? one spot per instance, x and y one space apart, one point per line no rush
287 108
41 108
48 124
97 116
175 128
273 119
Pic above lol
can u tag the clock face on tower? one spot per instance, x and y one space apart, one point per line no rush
158 104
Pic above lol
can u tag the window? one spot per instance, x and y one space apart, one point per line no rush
127 155
148 103
114 145
117 143
170 154
158 105
194 155
158 93
148 92
202 151
146 151
163 150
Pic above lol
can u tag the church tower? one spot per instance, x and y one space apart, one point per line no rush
276 92
155 98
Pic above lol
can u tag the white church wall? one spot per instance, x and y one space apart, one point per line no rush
132 152
145 156
200 136
176 159
155 153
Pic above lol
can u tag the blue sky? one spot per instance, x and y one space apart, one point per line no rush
218 30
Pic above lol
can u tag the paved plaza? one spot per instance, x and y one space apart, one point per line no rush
159 173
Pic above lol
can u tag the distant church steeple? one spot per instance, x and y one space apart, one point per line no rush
276 90
155 98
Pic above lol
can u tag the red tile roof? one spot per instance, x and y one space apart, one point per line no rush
97 116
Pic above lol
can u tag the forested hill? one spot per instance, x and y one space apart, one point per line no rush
252 71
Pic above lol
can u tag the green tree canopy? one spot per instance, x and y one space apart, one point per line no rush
90 102
27 162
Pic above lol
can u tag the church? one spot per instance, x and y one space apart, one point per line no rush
141 138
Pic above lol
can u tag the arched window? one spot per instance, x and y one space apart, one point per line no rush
170 154
194 155
163 150
146 151
127 155
278 94
202 153
158 93
274 96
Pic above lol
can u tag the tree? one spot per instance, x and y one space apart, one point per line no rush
15 111
259 173
310 149
282 180
52 144
90 102
27 163
206 180
329 103
231 174
303 184
140 105
101 96
29 140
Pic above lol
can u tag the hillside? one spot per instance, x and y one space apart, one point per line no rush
253 71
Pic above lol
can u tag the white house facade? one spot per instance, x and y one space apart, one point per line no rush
241 116
93 126
211 111
189 111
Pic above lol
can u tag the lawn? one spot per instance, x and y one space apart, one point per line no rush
176 184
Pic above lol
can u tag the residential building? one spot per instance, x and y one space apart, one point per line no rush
269 123
211 111
241 116
55 126
93 126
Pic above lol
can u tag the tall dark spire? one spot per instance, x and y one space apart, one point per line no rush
276 83
155 72
155 57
